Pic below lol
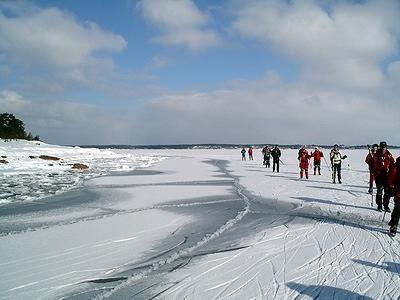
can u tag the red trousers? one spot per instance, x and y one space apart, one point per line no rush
371 179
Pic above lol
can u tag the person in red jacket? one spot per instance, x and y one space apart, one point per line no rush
394 185
317 154
382 162
370 161
303 158
250 151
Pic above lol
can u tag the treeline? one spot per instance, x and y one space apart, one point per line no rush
13 128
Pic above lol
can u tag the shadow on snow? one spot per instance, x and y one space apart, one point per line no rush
324 292
387 266
308 199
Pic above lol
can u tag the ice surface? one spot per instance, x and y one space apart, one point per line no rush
203 224
29 179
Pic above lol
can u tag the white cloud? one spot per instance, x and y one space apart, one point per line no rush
50 38
342 45
11 101
159 62
269 113
181 23
342 94
65 122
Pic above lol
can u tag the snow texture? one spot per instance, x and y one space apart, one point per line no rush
201 224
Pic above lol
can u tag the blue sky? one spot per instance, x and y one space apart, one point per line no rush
203 67
183 71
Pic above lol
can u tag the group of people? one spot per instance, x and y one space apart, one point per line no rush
250 151
267 152
304 160
384 171
335 158
275 153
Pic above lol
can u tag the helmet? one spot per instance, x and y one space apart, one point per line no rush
382 145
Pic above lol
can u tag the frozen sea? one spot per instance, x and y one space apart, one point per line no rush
28 179
192 224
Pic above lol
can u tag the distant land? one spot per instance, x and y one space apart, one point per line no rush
222 146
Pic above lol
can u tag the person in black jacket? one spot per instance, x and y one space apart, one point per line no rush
267 156
243 151
276 154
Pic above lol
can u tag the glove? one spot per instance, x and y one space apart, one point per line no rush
344 157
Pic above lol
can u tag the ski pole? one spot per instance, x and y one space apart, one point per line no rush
383 219
281 161
326 163
330 169
372 197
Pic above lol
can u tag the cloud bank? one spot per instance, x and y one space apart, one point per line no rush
181 23
66 122
51 39
340 45
346 92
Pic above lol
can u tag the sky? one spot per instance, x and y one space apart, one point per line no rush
183 71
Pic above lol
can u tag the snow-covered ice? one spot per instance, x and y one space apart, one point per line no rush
202 224
26 177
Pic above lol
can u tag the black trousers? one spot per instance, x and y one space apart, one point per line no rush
394 220
382 189
337 171
317 166
275 162
267 161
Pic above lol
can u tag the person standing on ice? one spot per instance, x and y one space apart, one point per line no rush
317 154
267 156
336 162
276 154
243 154
370 161
383 161
394 185
304 159
250 151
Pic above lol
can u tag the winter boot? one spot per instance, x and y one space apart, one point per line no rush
387 209
393 230
379 207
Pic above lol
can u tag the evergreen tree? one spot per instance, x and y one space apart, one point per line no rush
13 128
